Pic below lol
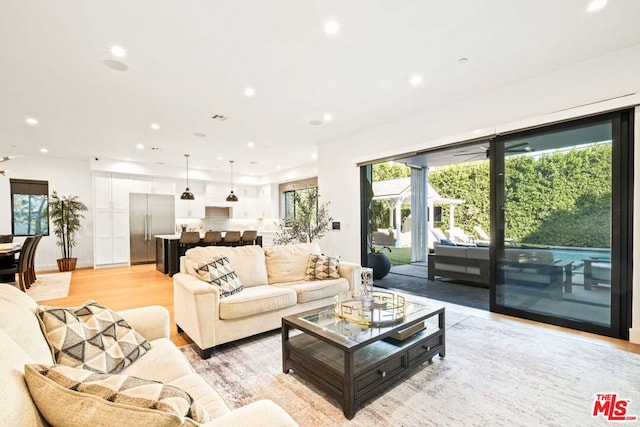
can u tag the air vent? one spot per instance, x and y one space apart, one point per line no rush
219 117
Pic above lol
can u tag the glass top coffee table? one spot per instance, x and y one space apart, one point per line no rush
352 362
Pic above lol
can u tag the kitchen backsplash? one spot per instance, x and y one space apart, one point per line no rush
217 218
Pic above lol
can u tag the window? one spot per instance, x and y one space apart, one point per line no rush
29 207
292 198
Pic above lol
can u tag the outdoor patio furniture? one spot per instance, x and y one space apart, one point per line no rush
596 270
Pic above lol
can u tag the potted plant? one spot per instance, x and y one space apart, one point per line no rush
311 220
376 258
65 214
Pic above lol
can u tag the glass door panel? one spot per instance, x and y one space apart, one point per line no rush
554 254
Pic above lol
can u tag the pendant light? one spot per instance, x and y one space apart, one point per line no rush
187 194
232 197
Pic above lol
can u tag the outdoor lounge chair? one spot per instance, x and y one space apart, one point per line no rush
486 239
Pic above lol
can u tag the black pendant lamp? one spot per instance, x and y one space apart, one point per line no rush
187 194
232 197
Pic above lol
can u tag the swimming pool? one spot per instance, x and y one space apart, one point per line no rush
578 254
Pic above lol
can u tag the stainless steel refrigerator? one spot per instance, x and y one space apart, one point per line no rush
149 214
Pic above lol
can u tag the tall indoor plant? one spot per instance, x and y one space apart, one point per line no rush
311 219
65 213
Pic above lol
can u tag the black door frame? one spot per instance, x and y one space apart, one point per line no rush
621 220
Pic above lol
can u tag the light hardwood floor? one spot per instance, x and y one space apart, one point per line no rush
121 288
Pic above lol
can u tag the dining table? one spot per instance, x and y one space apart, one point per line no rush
8 253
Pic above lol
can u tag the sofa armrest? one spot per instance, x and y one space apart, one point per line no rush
151 322
262 413
352 272
195 308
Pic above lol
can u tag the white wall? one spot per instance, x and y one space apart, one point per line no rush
575 90
67 177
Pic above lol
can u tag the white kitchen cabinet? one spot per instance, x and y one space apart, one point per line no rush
268 203
144 185
216 193
111 237
110 191
190 208
111 219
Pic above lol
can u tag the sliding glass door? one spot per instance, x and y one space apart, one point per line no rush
561 224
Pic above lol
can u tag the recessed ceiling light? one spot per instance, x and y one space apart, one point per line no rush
315 122
278 166
140 146
31 121
314 156
200 134
415 80
220 158
249 92
463 60
326 117
118 51
596 5
250 144
44 150
154 126
477 130
331 27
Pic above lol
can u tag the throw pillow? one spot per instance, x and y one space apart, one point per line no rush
320 267
79 397
219 273
91 337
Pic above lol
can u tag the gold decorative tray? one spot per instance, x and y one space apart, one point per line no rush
378 308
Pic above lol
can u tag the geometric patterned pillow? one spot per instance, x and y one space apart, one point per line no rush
320 267
73 396
219 273
91 337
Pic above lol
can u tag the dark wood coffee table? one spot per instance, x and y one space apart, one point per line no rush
353 362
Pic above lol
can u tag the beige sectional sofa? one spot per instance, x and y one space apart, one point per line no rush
22 342
274 286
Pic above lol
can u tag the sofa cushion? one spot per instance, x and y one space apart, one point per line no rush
289 263
79 397
91 337
317 289
21 324
219 273
320 267
163 362
248 261
16 406
203 393
255 300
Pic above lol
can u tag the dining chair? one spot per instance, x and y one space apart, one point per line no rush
249 237
21 266
31 269
212 238
232 238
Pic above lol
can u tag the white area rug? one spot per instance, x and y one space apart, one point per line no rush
50 286
496 373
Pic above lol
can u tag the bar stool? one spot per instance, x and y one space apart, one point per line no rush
249 237
212 238
232 238
188 240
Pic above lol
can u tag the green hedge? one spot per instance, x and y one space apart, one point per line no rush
560 199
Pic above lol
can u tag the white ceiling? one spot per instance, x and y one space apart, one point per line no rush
189 60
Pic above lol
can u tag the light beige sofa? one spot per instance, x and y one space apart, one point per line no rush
273 287
22 342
